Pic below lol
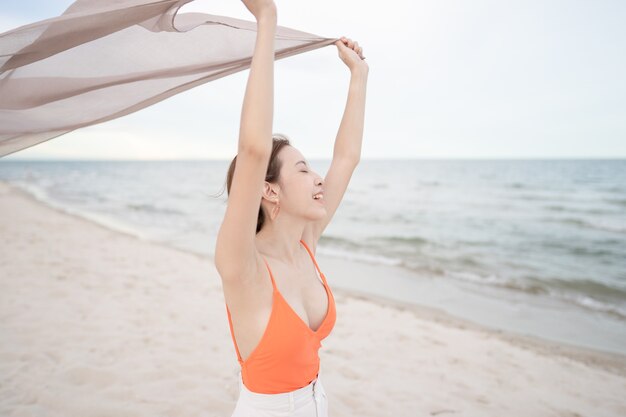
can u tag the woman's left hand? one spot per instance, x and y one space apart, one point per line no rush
351 54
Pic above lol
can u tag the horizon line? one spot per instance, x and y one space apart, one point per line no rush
421 158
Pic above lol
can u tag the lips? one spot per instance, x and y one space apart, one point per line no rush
319 196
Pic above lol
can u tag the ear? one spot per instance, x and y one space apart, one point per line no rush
270 191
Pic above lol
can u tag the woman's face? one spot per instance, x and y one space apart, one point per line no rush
298 184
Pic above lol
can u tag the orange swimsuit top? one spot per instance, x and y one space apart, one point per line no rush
286 357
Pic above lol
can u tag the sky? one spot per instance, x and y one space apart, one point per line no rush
447 79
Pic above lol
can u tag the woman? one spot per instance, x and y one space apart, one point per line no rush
277 209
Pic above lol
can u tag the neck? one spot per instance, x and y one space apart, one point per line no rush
280 239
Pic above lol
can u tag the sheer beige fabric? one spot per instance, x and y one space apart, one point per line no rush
103 59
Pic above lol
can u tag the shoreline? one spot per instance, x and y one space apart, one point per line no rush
553 319
100 322
607 361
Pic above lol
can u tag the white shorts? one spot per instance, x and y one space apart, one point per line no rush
309 401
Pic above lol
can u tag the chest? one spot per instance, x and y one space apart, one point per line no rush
304 292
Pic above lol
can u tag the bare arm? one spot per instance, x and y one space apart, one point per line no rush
350 134
235 251
347 149
255 132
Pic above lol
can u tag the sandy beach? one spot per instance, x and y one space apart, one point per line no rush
95 322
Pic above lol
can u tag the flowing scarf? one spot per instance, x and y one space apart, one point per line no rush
103 59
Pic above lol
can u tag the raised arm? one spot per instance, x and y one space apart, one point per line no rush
255 132
350 134
235 252
347 150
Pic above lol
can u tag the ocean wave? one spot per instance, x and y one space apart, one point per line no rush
590 288
614 189
422 269
477 243
546 196
407 240
352 255
401 218
587 294
584 251
570 247
394 218
338 241
574 221
493 279
375 242
557 208
621 202
153 209
597 305
561 209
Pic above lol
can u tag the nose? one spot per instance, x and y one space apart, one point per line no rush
319 180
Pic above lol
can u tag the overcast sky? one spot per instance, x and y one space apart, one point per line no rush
448 79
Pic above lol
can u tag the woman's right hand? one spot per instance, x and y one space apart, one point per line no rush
261 8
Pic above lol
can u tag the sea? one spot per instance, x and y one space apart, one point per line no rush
534 246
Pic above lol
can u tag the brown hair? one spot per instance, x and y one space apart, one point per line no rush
273 170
